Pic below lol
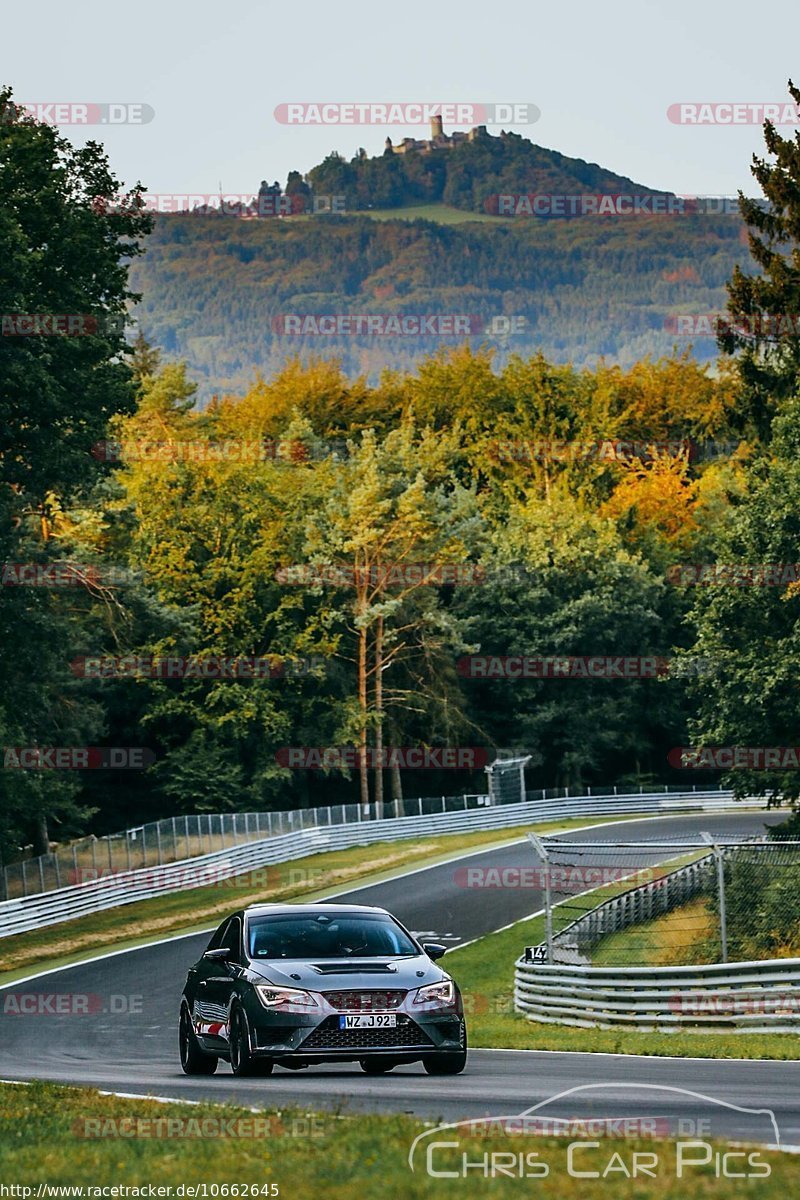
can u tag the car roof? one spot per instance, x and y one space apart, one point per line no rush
259 910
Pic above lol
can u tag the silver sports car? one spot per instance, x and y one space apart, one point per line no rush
299 984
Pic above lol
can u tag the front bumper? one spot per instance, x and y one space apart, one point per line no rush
318 1037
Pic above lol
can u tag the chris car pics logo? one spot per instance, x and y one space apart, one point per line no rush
596 1146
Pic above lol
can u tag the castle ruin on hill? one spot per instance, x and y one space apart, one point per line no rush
439 140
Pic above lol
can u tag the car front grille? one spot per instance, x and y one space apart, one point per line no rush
328 1036
353 1001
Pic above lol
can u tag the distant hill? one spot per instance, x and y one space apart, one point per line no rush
235 296
469 174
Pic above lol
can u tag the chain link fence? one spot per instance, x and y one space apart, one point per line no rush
661 903
173 839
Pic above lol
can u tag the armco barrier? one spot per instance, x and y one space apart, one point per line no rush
173 839
751 997
126 887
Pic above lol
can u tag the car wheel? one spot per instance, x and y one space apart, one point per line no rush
243 1062
448 1062
377 1066
445 1063
194 1061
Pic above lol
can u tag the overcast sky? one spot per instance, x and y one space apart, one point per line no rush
603 76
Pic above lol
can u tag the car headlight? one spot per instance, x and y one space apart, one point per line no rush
285 999
436 995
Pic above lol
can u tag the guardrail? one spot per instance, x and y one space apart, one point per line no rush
194 835
760 996
751 997
125 887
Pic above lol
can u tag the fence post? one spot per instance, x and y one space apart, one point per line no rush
158 842
723 916
174 841
541 850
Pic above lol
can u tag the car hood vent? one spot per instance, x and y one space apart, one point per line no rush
354 968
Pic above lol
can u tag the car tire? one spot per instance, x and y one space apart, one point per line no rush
377 1066
448 1062
243 1061
445 1063
194 1060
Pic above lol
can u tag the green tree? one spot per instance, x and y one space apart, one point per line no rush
765 308
751 632
395 506
65 257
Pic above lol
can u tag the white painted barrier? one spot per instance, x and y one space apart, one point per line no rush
740 997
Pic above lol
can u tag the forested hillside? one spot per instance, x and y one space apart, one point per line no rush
466 175
217 289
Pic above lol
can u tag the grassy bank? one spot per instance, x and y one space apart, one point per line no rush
75 1136
680 936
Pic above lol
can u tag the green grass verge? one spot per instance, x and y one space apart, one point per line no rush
200 908
43 1140
441 214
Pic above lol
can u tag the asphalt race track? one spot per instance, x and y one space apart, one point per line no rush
127 1040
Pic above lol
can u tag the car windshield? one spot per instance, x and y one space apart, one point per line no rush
327 935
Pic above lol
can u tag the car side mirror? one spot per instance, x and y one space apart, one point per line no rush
223 954
434 950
